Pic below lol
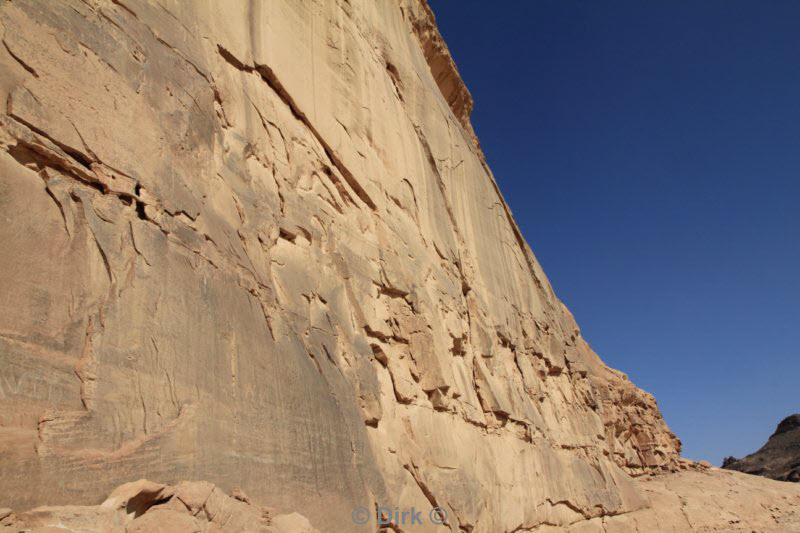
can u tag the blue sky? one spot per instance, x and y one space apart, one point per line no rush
650 152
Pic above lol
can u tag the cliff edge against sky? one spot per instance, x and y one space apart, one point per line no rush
256 243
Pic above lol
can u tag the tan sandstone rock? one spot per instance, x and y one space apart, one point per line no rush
147 507
257 243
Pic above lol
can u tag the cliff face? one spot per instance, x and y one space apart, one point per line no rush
779 458
256 243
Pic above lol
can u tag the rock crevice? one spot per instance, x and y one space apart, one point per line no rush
259 245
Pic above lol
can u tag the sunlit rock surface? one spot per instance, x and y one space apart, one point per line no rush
257 243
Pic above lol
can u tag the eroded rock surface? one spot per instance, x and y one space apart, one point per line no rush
147 507
709 500
256 243
779 458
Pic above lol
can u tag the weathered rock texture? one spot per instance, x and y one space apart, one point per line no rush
716 500
256 243
146 507
779 458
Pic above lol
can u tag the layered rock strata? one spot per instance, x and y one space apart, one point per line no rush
257 243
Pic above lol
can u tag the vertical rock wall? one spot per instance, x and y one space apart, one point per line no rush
256 242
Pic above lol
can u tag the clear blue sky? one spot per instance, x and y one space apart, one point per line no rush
650 152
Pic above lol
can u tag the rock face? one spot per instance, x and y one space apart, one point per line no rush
779 458
713 500
685 501
146 507
257 243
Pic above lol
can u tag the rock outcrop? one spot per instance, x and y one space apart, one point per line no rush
685 501
710 500
257 243
147 507
779 458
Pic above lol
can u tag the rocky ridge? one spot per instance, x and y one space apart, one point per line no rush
257 243
779 458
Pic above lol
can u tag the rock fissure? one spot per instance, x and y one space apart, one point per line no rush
267 244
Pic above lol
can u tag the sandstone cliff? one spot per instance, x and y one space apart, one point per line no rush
256 243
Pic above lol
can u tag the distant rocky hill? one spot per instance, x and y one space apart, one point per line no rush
779 458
